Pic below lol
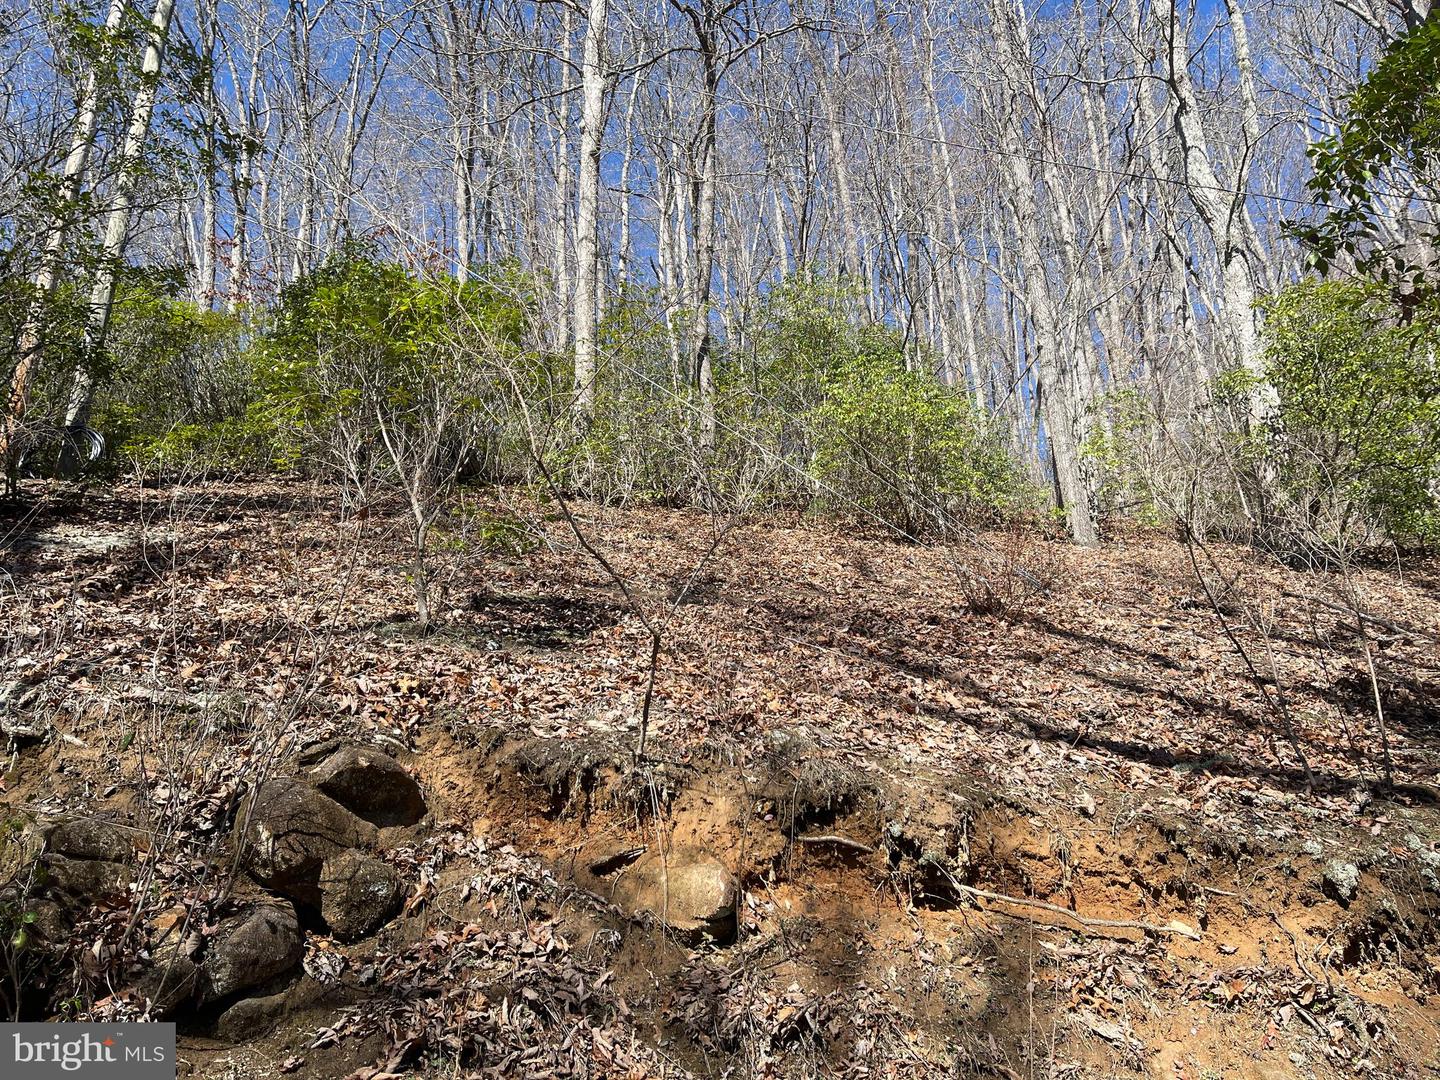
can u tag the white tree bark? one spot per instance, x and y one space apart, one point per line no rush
1059 381
1221 209
117 228
72 181
587 211
627 157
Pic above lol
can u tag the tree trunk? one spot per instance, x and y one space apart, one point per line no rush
627 154
587 212
703 228
117 227
1059 382
72 180
1221 210
243 176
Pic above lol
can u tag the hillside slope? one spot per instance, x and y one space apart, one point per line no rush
1005 808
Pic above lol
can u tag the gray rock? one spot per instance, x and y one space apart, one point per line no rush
52 921
19 727
371 784
1428 858
21 732
360 894
250 949
290 831
1341 880
250 1018
317 752
170 982
687 889
89 838
84 881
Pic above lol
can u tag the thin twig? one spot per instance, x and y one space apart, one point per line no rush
1294 944
1276 700
1388 624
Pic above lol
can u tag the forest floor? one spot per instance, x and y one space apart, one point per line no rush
1052 828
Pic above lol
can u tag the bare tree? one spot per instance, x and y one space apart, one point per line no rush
117 228
587 211
1221 206
72 181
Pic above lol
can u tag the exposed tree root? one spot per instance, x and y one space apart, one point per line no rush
1084 923
837 841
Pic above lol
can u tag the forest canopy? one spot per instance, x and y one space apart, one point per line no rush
935 267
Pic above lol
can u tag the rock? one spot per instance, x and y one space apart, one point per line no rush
52 921
250 949
289 833
84 881
361 893
18 726
370 784
250 1018
318 752
170 982
21 731
688 889
10 695
89 838
1429 860
1341 880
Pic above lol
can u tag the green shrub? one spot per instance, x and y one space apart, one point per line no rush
178 384
1388 140
641 439
471 528
813 405
22 955
907 448
804 333
248 443
1119 447
361 340
298 386
1356 444
1160 457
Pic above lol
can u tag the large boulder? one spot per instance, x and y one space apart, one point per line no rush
252 1017
78 883
54 921
89 838
85 860
371 784
687 889
290 831
63 870
361 893
249 949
